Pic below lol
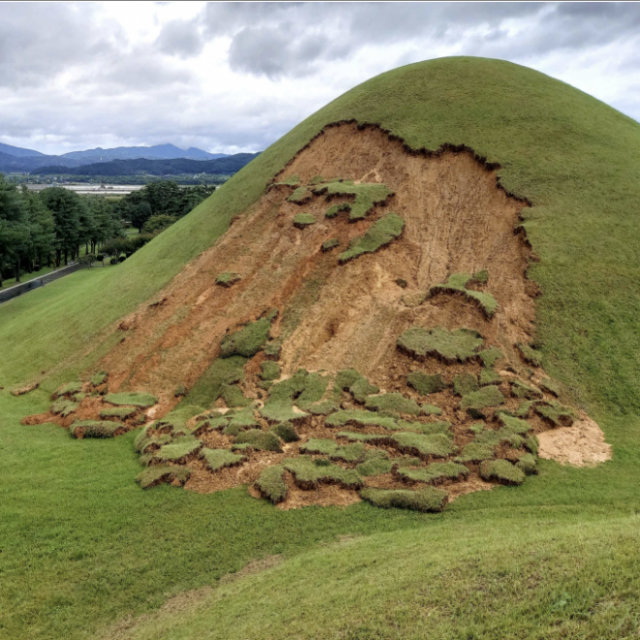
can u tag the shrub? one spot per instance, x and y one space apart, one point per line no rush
158 223
501 471
436 472
380 234
258 439
451 346
248 340
427 499
286 432
426 384
216 459
271 484
158 474
136 399
307 474
227 279
302 220
96 429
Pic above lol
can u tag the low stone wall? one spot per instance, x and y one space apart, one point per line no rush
24 287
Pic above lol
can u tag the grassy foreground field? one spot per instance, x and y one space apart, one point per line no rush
82 546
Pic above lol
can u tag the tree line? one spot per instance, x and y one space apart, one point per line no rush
50 227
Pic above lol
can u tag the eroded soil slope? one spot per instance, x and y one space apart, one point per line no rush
369 324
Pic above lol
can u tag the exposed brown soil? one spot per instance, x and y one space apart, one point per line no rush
579 445
334 316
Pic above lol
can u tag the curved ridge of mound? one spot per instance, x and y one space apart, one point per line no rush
365 332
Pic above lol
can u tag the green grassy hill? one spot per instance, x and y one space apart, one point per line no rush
82 547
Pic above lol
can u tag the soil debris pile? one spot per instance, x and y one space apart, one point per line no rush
400 369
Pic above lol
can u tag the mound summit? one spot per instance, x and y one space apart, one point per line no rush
367 327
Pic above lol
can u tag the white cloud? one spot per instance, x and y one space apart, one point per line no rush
235 77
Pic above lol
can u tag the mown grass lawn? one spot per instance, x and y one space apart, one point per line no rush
81 546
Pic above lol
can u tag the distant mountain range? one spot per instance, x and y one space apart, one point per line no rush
17 159
221 166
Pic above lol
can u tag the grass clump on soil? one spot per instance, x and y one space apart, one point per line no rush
366 196
550 386
291 181
393 403
457 283
380 234
279 406
347 453
439 445
96 428
118 412
269 370
179 449
144 400
529 354
300 195
475 403
489 376
315 386
258 439
335 209
514 424
465 383
451 346
360 418
271 484
216 459
521 390
228 278
555 413
429 500
308 473
501 471
286 432
426 428
430 410
528 464
302 220
158 474
243 418
248 340
330 244
359 387
64 407
99 378
362 437
68 389
490 356
426 384
377 462
435 473
233 396
475 452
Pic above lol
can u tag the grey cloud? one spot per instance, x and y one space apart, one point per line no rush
181 38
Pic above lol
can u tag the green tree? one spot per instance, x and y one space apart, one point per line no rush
14 228
66 207
156 224
42 235
139 214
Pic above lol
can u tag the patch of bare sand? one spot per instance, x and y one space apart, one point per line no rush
579 445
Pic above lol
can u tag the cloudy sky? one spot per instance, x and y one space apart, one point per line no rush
235 77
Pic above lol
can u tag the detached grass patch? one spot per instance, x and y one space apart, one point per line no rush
258 439
457 284
426 384
178 450
228 279
96 429
248 340
475 403
458 345
501 471
436 472
360 418
136 399
366 196
216 459
427 500
302 220
271 484
118 412
381 233
393 402
153 476
309 473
